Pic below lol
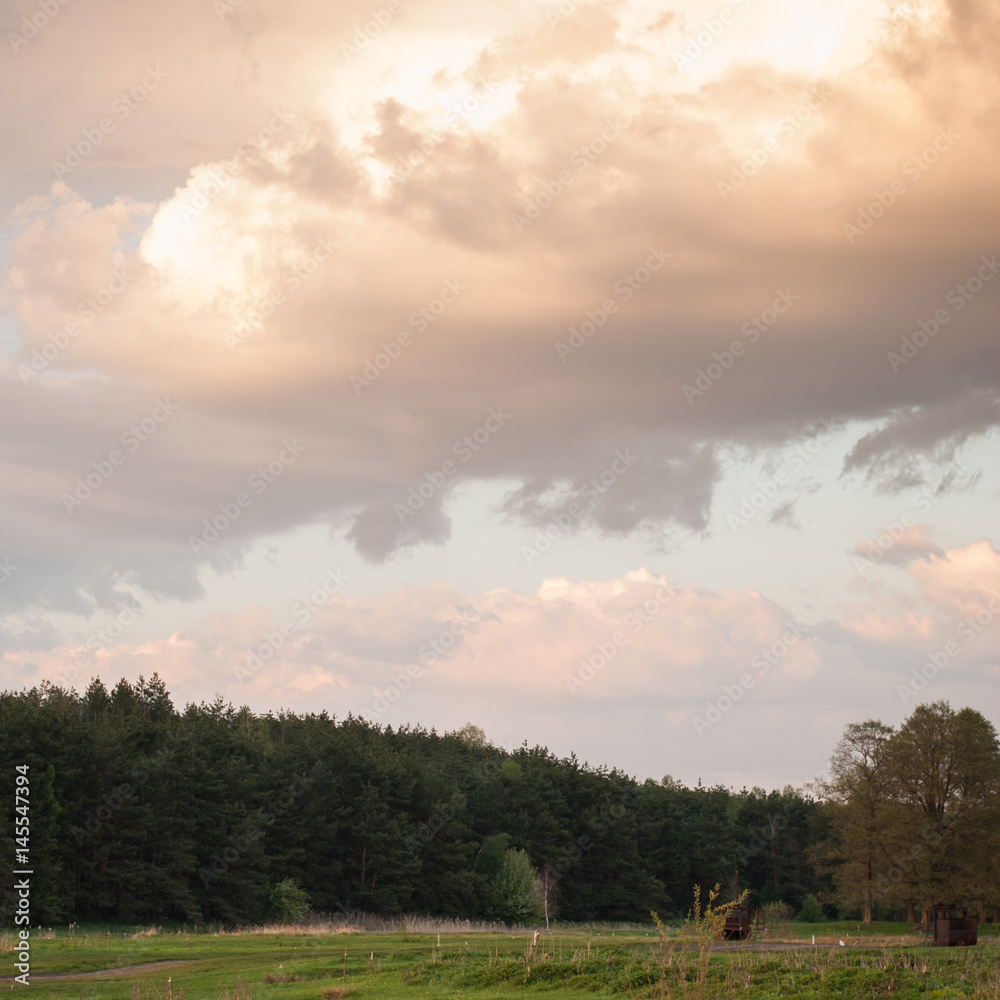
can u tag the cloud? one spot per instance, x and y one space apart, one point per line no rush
963 580
899 455
630 646
620 658
900 548
379 531
265 144
958 601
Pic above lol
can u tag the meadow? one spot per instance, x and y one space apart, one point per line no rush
423 958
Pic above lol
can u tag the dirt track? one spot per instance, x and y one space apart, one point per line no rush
122 970
774 946
125 970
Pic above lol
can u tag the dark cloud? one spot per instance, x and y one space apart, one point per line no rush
901 453
607 155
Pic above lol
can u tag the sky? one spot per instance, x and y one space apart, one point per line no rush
620 377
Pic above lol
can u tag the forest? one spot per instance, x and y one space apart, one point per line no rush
141 812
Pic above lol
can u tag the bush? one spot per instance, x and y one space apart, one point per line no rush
515 892
811 912
288 902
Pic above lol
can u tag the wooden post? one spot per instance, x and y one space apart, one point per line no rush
345 967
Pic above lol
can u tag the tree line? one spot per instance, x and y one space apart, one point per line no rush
915 813
142 812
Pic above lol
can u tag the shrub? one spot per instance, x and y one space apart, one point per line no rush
287 901
515 891
811 912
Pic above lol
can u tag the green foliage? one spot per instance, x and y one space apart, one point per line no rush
707 923
811 912
569 964
471 735
145 813
491 855
515 889
915 812
288 901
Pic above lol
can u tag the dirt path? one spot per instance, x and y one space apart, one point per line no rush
777 946
122 970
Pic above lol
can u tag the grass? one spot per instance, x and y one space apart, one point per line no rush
630 960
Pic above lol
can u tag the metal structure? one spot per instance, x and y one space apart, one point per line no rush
952 928
737 926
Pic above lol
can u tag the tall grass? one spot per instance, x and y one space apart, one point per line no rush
356 922
676 969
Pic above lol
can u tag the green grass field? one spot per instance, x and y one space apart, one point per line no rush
886 960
